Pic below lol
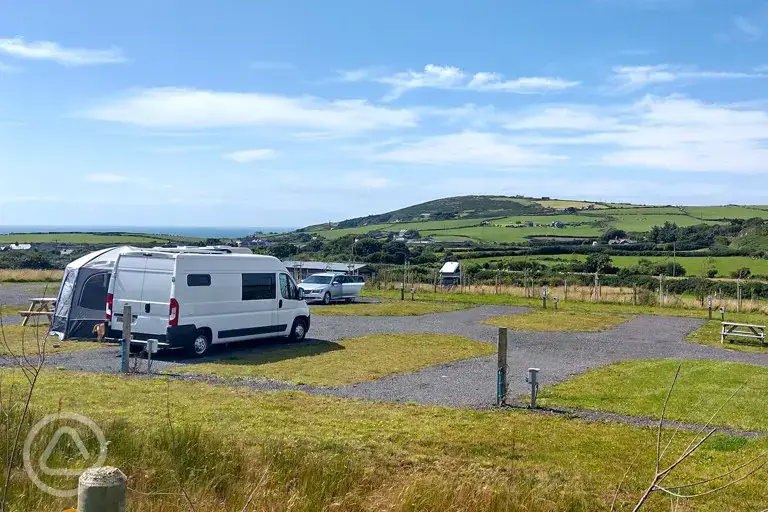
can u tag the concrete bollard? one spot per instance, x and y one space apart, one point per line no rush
102 490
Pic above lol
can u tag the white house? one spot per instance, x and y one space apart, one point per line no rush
450 273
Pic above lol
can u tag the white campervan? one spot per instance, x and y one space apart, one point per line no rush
195 298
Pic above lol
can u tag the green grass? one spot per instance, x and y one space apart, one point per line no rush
546 219
644 222
31 340
709 333
389 308
638 388
558 320
562 204
503 234
326 363
694 265
634 210
726 212
324 453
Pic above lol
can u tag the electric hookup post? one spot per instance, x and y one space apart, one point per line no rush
544 296
501 374
722 313
555 301
533 380
709 302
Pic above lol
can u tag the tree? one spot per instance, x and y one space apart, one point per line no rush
613 234
598 262
283 250
741 273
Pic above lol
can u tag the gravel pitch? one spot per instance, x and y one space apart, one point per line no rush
19 294
468 383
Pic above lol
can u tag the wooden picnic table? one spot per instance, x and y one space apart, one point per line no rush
735 329
38 306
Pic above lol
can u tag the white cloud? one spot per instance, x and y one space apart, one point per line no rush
468 148
47 50
563 118
451 77
636 77
525 85
107 178
202 109
251 155
750 30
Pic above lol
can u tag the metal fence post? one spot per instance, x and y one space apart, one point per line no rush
501 376
101 490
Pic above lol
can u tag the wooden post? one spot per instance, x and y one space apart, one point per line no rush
597 287
126 345
634 294
101 490
661 290
566 290
738 295
501 375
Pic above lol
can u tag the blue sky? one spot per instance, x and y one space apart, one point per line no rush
290 113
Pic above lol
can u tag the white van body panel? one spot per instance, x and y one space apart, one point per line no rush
231 297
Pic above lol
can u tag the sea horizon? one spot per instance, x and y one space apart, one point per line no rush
191 231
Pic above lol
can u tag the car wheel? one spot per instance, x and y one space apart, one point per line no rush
201 343
327 298
298 331
136 349
348 301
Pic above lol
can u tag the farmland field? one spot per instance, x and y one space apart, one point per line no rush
694 265
501 234
561 204
726 212
644 223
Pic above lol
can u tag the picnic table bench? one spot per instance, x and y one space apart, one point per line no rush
38 306
737 330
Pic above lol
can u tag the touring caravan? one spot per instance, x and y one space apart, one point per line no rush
193 299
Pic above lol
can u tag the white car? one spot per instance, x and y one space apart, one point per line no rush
330 287
198 298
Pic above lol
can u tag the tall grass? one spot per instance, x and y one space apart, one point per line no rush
30 276
277 475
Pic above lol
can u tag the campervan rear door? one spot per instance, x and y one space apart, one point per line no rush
127 284
152 316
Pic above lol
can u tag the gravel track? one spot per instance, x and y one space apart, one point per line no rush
468 383
19 295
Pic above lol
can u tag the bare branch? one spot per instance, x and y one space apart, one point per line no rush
623 478
661 420
718 477
716 489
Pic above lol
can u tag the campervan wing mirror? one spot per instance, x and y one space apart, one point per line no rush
301 293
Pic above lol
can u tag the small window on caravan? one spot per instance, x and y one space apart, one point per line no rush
259 286
199 280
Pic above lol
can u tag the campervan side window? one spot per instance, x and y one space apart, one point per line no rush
94 294
259 286
199 280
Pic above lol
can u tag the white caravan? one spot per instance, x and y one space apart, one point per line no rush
201 297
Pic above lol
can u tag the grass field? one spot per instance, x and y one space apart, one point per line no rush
556 320
30 276
644 223
709 333
327 363
637 388
503 234
31 340
300 452
91 238
561 204
392 308
694 265
726 212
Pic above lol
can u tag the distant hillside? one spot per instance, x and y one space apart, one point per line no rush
465 207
